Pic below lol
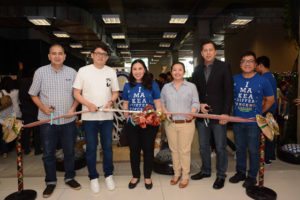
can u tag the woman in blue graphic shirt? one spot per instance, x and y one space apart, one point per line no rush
139 92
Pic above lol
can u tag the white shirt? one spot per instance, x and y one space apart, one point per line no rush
97 86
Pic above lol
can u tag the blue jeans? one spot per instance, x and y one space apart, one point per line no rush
50 135
91 129
247 138
219 133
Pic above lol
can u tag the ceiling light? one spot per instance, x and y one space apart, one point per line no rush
61 34
178 19
85 52
122 46
152 63
76 45
117 36
39 20
157 56
164 44
125 52
111 19
169 35
154 60
242 20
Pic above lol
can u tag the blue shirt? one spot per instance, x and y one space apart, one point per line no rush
249 94
269 76
181 100
139 96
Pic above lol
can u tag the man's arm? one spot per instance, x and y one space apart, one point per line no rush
267 103
45 109
114 97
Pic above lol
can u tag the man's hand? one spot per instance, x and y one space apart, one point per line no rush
92 107
108 105
47 109
204 108
224 119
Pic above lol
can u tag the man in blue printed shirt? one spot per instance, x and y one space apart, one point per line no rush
252 95
263 67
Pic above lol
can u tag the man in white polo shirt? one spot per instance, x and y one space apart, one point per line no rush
97 85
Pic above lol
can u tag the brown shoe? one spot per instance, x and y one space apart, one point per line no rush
184 183
174 180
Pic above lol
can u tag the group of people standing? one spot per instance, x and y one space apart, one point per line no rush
57 89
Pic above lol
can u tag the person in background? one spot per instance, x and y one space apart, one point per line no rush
180 96
9 87
213 80
253 95
51 91
29 111
263 68
140 91
96 85
162 80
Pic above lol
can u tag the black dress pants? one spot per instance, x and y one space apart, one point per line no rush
141 139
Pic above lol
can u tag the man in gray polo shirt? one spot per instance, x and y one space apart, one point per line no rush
51 91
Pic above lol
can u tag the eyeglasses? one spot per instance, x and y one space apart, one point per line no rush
100 54
247 61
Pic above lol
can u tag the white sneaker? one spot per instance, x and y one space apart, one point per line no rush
95 185
110 184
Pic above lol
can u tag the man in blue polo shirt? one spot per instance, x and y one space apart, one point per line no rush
252 95
263 68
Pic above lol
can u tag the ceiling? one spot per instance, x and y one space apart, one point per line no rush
143 22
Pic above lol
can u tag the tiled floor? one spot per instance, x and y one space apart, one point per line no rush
282 177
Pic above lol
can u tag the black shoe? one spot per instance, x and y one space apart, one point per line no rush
199 176
73 184
219 183
268 162
133 185
237 178
48 191
148 186
249 182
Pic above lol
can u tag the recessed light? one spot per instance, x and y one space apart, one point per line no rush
111 19
169 35
39 20
242 20
164 44
117 36
178 19
76 45
61 34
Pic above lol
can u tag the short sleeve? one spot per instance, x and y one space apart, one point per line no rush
267 88
35 87
78 83
115 82
155 91
125 92
163 97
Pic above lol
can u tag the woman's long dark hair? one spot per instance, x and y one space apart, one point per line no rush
146 80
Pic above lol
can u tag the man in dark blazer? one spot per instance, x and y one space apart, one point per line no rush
213 79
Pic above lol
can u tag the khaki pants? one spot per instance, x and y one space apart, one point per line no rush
180 137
